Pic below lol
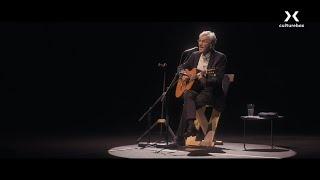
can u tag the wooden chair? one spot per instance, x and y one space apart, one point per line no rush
205 124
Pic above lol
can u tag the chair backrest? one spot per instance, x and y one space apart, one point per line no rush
227 79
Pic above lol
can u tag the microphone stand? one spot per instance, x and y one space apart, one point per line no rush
162 98
162 120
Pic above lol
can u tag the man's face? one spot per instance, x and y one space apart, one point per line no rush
204 43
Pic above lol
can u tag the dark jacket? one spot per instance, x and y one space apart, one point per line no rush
213 83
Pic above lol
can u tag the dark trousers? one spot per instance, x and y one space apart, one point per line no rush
192 101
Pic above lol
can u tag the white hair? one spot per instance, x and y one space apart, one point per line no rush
210 34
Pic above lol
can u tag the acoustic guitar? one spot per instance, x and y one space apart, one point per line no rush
184 85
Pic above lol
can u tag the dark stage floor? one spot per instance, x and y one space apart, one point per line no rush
96 146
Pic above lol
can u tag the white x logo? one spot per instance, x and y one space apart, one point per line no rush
294 16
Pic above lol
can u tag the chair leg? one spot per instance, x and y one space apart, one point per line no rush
208 140
191 141
215 116
197 123
202 120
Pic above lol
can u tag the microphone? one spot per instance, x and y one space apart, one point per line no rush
185 54
162 65
191 49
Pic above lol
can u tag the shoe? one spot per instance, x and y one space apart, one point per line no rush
217 142
199 135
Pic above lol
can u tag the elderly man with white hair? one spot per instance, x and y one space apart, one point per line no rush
207 89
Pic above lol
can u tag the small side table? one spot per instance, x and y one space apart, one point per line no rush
258 118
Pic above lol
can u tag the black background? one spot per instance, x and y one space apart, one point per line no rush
98 74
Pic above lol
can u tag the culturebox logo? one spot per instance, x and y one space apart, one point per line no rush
291 21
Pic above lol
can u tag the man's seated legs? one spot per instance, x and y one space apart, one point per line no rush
186 125
198 105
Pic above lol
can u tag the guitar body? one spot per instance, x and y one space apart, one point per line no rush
183 86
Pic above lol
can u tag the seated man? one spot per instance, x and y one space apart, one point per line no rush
207 89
